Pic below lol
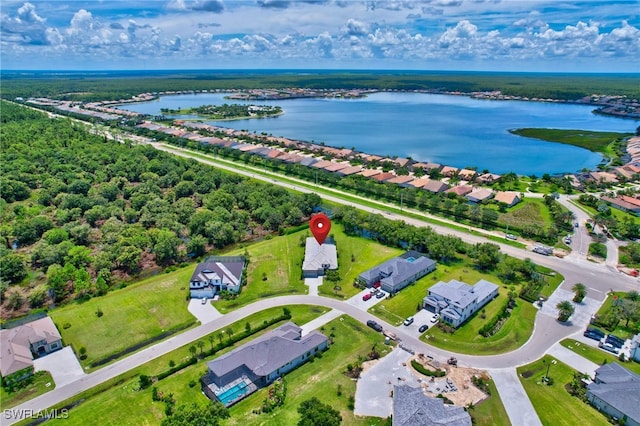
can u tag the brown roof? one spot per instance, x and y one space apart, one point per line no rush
322 164
467 173
620 203
419 183
507 197
370 172
435 186
448 170
401 179
460 190
383 176
334 167
630 200
350 171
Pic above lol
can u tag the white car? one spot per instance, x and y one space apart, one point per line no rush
435 318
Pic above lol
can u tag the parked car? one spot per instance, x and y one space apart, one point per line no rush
204 301
366 297
614 340
377 285
380 295
608 347
374 325
435 318
593 333
423 328
408 321
511 237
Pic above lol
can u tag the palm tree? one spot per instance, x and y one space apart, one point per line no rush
211 341
580 291
633 295
565 309
200 345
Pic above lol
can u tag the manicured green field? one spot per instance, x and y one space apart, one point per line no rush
123 403
490 412
596 355
130 315
37 387
626 332
593 141
554 405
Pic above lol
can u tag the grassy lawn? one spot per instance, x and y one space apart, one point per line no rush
355 255
490 412
554 405
618 215
280 258
37 387
513 334
607 315
121 398
131 315
530 211
596 355
593 141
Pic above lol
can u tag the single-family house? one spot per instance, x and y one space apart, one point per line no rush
510 198
397 273
322 164
459 190
216 274
488 178
624 203
435 186
411 407
401 162
401 180
479 195
634 353
467 174
449 171
334 167
383 177
351 170
603 177
20 345
615 391
318 258
256 364
456 301
370 172
419 183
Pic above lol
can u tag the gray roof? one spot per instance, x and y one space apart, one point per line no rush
411 407
618 387
229 271
316 255
398 269
461 295
268 352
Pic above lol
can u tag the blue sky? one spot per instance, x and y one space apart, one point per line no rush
487 35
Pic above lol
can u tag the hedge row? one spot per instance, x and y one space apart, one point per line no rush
489 328
420 369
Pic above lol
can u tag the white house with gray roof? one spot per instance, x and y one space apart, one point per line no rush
216 274
456 301
616 392
258 363
397 273
318 258
411 407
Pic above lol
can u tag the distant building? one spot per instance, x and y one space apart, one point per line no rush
616 392
216 274
20 345
399 272
319 258
237 374
456 301
411 407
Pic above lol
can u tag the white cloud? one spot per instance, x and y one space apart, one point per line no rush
356 28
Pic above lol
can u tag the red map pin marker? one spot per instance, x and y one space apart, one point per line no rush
320 226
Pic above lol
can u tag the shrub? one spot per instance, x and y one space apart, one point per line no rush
420 369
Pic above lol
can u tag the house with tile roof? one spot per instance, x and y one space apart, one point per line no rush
383 177
488 178
615 391
397 273
456 301
351 170
510 198
256 364
467 174
20 345
449 171
216 274
318 258
479 195
411 407
460 190
401 180
435 186
370 172
419 183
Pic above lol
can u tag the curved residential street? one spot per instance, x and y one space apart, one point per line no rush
599 279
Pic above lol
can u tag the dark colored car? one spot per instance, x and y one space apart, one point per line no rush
423 328
366 297
593 333
374 325
615 341
380 295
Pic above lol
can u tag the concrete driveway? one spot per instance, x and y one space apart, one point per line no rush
63 366
419 318
364 304
204 313
373 391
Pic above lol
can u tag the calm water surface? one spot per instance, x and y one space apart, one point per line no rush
452 130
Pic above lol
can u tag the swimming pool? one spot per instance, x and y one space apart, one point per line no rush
235 392
411 259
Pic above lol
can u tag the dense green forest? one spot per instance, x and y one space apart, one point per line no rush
122 85
81 213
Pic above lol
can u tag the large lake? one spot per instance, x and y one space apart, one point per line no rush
452 130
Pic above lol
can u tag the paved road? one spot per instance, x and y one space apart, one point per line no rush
515 399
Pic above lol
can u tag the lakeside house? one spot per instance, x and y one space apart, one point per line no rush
449 171
467 174
216 274
318 258
20 345
456 301
615 391
411 407
510 198
397 273
256 364
488 178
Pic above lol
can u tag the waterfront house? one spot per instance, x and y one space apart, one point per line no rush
456 301
20 345
256 364
318 258
467 174
411 407
216 274
615 391
449 171
510 198
488 178
397 273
